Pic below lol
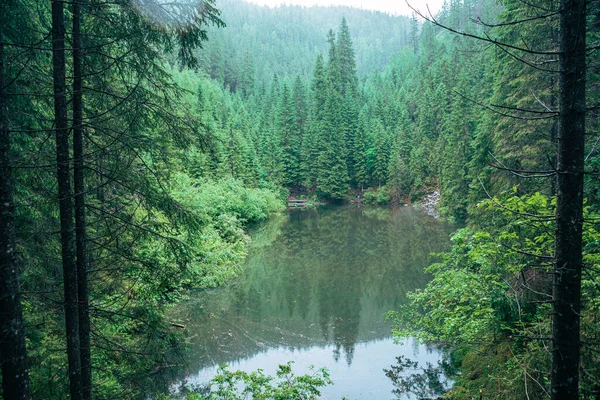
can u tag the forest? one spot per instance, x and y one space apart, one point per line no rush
140 141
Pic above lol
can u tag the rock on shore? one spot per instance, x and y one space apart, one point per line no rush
430 203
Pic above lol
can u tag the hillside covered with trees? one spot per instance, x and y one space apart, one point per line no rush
140 139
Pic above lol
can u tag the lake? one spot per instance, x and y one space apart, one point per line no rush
315 290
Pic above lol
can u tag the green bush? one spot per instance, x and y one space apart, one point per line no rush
381 196
238 385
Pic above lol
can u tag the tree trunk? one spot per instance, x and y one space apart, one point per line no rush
79 191
65 202
569 208
13 353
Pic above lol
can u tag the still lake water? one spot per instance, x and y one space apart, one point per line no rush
315 290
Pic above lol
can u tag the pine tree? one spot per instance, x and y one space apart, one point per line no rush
271 151
524 144
454 160
301 114
231 71
566 308
216 61
347 61
359 152
234 155
67 230
290 138
313 144
247 81
332 175
349 89
382 153
349 121
13 351
414 33
400 177
79 189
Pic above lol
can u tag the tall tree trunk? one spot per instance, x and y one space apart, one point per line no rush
65 202
79 190
569 208
554 128
13 353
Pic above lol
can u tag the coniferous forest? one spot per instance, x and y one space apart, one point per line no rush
141 140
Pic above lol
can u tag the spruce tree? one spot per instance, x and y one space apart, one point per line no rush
454 160
247 79
313 144
382 153
63 175
400 177
13 351
359 152
347 61
301 115
349 89
332 175
290 138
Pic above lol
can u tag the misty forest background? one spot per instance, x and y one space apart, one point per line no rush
189 126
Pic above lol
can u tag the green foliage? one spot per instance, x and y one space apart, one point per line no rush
210 199
380 196
457 304
172 184
179 162
217 250
358 153
350 132
205 249
238 385
381 148
488 299
285 40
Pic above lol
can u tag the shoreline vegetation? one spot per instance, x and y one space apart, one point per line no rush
429 203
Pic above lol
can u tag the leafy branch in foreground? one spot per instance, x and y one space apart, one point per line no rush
238 385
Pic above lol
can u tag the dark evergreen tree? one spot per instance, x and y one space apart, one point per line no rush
79 190
347 61
247 80
566 315
290 138
332 173
13 352
359 152
314 144
67 230
382 153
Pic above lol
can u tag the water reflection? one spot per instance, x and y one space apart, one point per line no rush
421 379
317 282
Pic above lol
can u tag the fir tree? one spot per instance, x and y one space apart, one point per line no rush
332 175
359 153
290 138
313 145
301 113
382 153
347 61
